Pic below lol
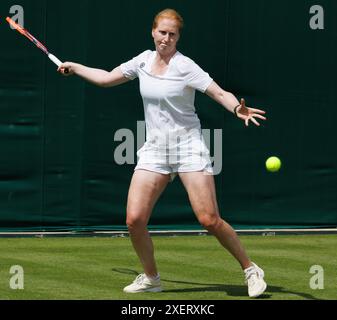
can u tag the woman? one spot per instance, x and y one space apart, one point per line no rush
174 145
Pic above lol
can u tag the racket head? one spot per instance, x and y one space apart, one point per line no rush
25 33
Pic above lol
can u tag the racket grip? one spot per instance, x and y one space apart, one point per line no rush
57 61
54 59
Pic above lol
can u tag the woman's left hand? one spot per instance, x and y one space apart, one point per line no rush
249 114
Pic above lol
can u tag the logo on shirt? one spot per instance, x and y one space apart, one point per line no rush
142 65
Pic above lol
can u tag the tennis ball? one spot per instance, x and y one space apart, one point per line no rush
273 164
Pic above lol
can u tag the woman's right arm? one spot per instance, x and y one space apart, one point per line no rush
98 77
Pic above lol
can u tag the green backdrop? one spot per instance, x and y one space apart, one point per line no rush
57 167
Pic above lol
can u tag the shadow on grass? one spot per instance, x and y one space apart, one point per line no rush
231 290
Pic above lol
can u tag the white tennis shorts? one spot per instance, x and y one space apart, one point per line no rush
177 159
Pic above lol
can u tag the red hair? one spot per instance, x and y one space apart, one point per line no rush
169 14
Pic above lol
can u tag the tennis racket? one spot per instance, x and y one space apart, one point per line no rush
25 33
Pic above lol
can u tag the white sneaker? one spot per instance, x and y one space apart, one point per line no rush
254 278
143 284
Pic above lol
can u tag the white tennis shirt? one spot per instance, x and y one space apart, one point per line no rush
168 99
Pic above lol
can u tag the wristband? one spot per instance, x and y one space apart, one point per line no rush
236 108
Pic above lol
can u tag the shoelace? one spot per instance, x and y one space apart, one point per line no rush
250 272
140 278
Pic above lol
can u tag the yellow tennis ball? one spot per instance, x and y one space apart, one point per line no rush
273 164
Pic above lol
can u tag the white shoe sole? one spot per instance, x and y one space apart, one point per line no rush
157 289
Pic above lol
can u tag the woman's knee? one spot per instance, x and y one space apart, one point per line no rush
135 221
210 221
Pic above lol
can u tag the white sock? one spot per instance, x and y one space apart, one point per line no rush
157 277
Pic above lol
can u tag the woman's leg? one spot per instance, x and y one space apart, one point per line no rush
202 194
145 189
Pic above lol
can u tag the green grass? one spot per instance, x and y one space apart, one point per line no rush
191 268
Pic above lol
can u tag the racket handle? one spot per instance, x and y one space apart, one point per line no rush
56 61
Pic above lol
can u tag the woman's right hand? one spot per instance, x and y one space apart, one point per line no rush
66 69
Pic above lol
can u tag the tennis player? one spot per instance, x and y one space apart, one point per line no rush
174 145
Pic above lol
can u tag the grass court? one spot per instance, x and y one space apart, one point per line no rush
191 268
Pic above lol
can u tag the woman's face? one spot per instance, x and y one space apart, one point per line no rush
166 35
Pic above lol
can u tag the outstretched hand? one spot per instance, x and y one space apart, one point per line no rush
249 114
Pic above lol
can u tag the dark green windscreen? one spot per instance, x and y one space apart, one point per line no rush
58 169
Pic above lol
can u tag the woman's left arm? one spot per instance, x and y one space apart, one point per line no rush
232 104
